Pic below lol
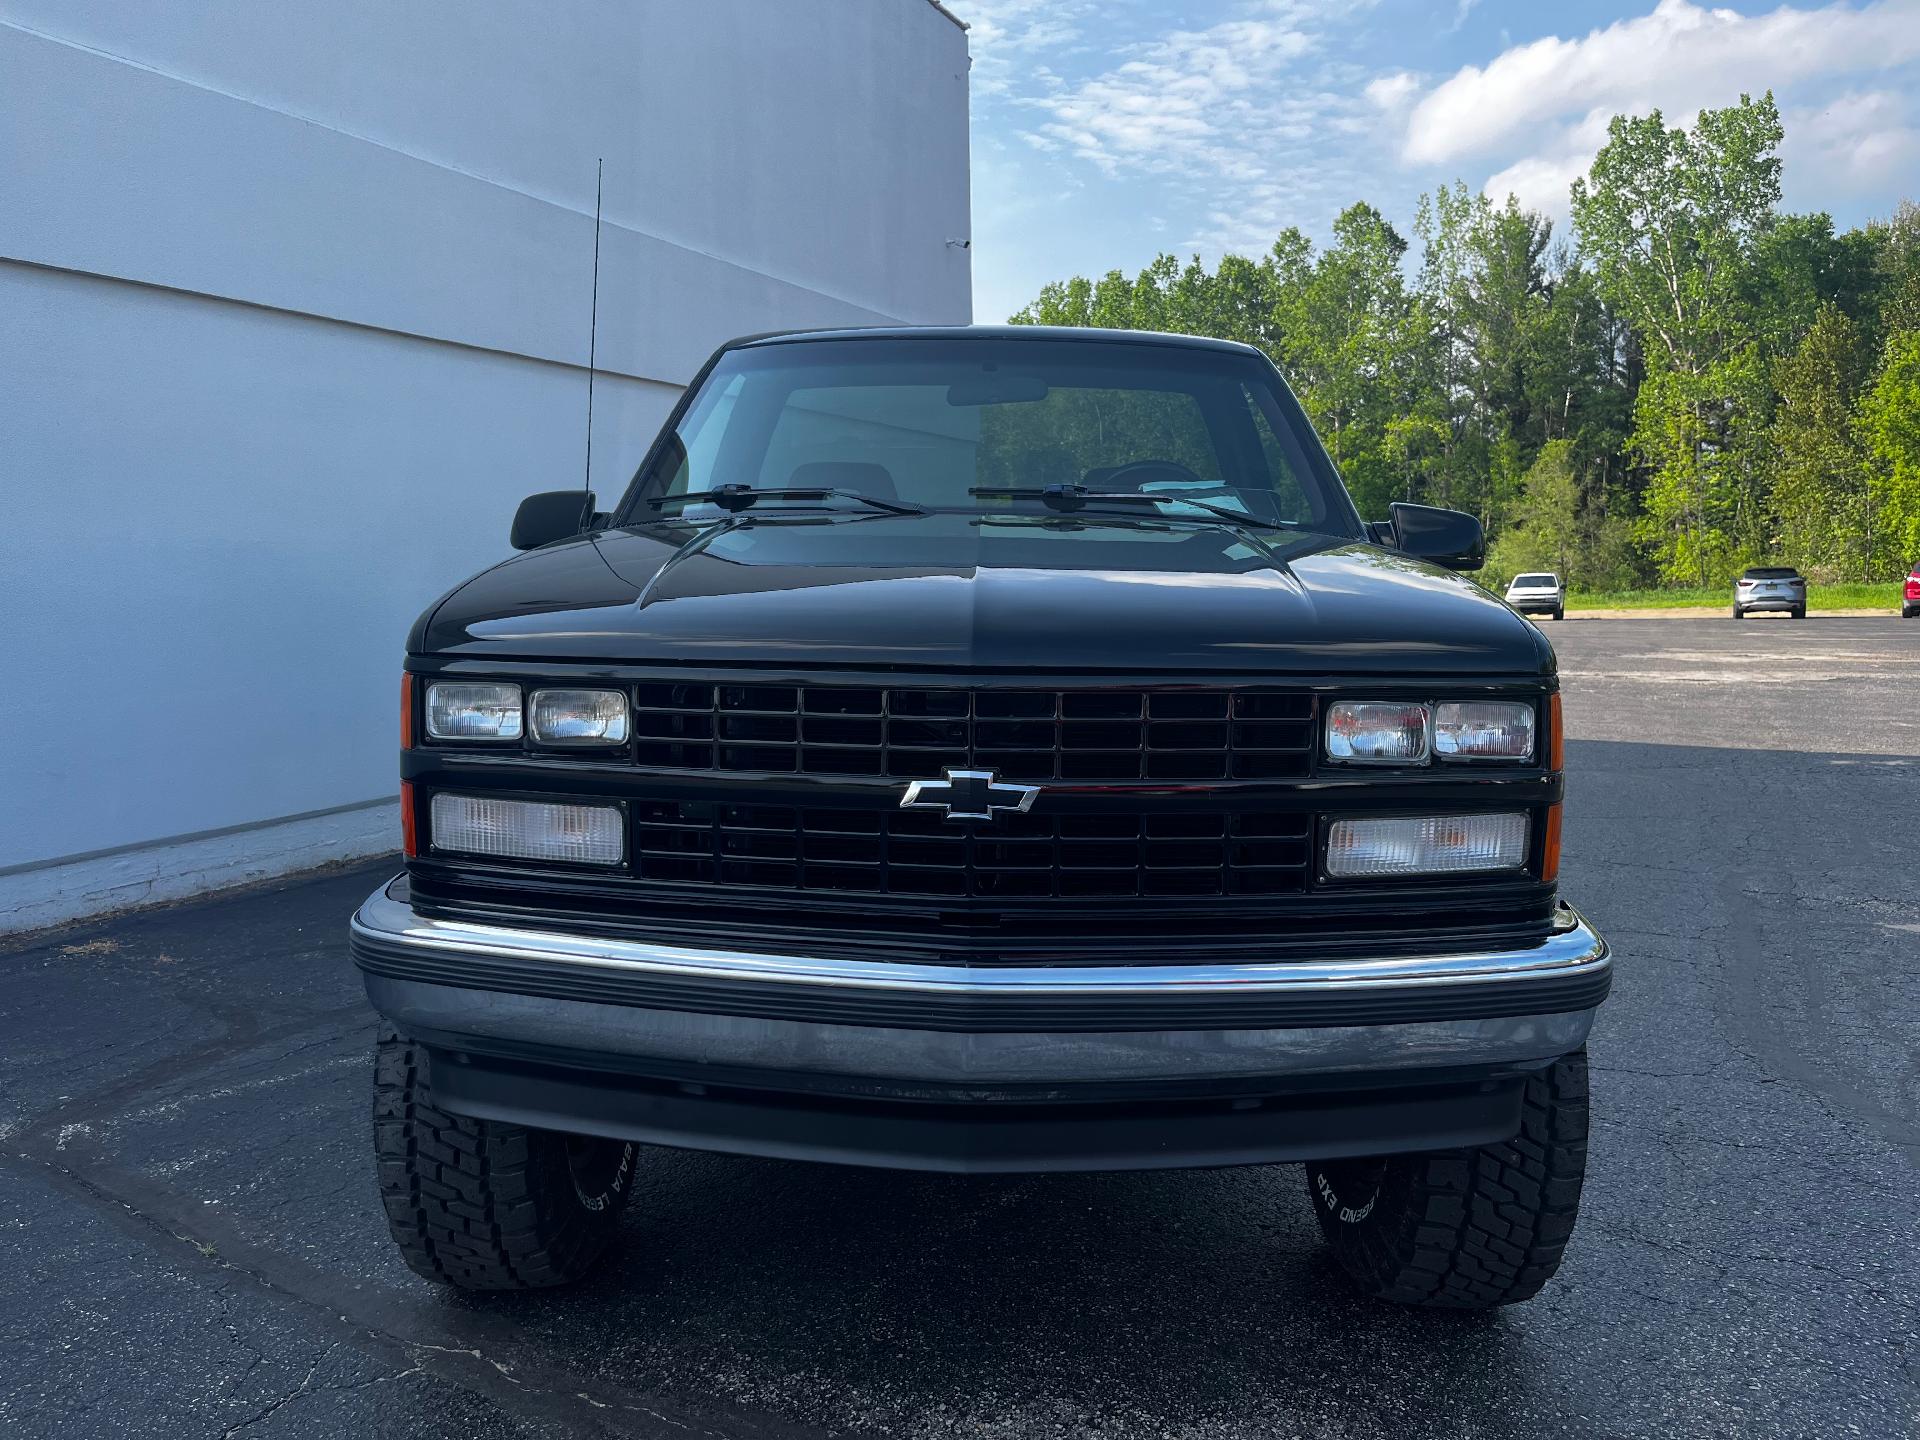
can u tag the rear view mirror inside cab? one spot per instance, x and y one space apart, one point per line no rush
998 390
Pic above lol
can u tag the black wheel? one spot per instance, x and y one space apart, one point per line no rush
1559 614
1738 613
1907 612
1464 1229
483 1205
1800 612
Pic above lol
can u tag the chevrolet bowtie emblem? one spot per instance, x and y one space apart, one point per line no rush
968 795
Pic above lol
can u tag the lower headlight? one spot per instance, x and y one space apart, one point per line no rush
527 829
1425 845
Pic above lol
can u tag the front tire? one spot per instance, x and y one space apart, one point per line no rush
1464 1229
483 1205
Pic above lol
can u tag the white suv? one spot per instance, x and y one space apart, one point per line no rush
1538 594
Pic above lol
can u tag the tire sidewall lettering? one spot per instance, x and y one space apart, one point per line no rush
622 1174
1346 1214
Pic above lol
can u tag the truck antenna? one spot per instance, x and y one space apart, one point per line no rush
593 323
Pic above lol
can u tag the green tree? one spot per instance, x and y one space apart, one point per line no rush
1890 421
1671 220
1504 303
1820 491
1801 267
1896 254
1446 425
1347 329
1060 302
1544 532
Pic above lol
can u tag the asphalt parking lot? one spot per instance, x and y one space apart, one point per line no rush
190 1244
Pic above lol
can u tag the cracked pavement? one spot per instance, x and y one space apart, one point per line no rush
190 1244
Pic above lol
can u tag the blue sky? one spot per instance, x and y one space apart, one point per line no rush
1105 131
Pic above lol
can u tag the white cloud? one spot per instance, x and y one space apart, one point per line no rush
1543 181
1679 57
1005 36
1859 143
1540 183
1392 92
1192 97
1229 122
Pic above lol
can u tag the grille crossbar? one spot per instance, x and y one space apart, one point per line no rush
920 853
1023 734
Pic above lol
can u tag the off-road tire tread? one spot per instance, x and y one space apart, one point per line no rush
1474 1228
476 1204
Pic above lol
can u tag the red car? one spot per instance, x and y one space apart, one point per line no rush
1910 596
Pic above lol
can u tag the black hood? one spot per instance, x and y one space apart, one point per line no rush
945 591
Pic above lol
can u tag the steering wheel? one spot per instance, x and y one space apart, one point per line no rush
1155 470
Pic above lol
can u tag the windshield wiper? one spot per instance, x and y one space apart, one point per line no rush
739 497
1072 497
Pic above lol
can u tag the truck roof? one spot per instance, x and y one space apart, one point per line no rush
993 332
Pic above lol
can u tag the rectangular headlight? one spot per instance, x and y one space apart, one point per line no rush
1484 730
1426 845
459 710
1377 732
527 829
579 717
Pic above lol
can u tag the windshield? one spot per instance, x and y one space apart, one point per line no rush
1535 582
923 422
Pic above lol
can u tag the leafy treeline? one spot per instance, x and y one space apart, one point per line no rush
1695 383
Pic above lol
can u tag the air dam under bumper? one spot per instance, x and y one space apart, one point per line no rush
950 1068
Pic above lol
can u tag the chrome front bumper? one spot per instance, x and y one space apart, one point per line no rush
639 1004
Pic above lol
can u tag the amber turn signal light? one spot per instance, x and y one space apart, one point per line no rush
1556 736
406 710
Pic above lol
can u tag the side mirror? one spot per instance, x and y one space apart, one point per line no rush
1444 537
552 515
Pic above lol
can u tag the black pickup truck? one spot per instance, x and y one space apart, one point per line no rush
984 750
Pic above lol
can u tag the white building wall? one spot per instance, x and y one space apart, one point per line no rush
293 311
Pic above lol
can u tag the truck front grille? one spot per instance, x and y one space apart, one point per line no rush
1175 813
1032 735
921 853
